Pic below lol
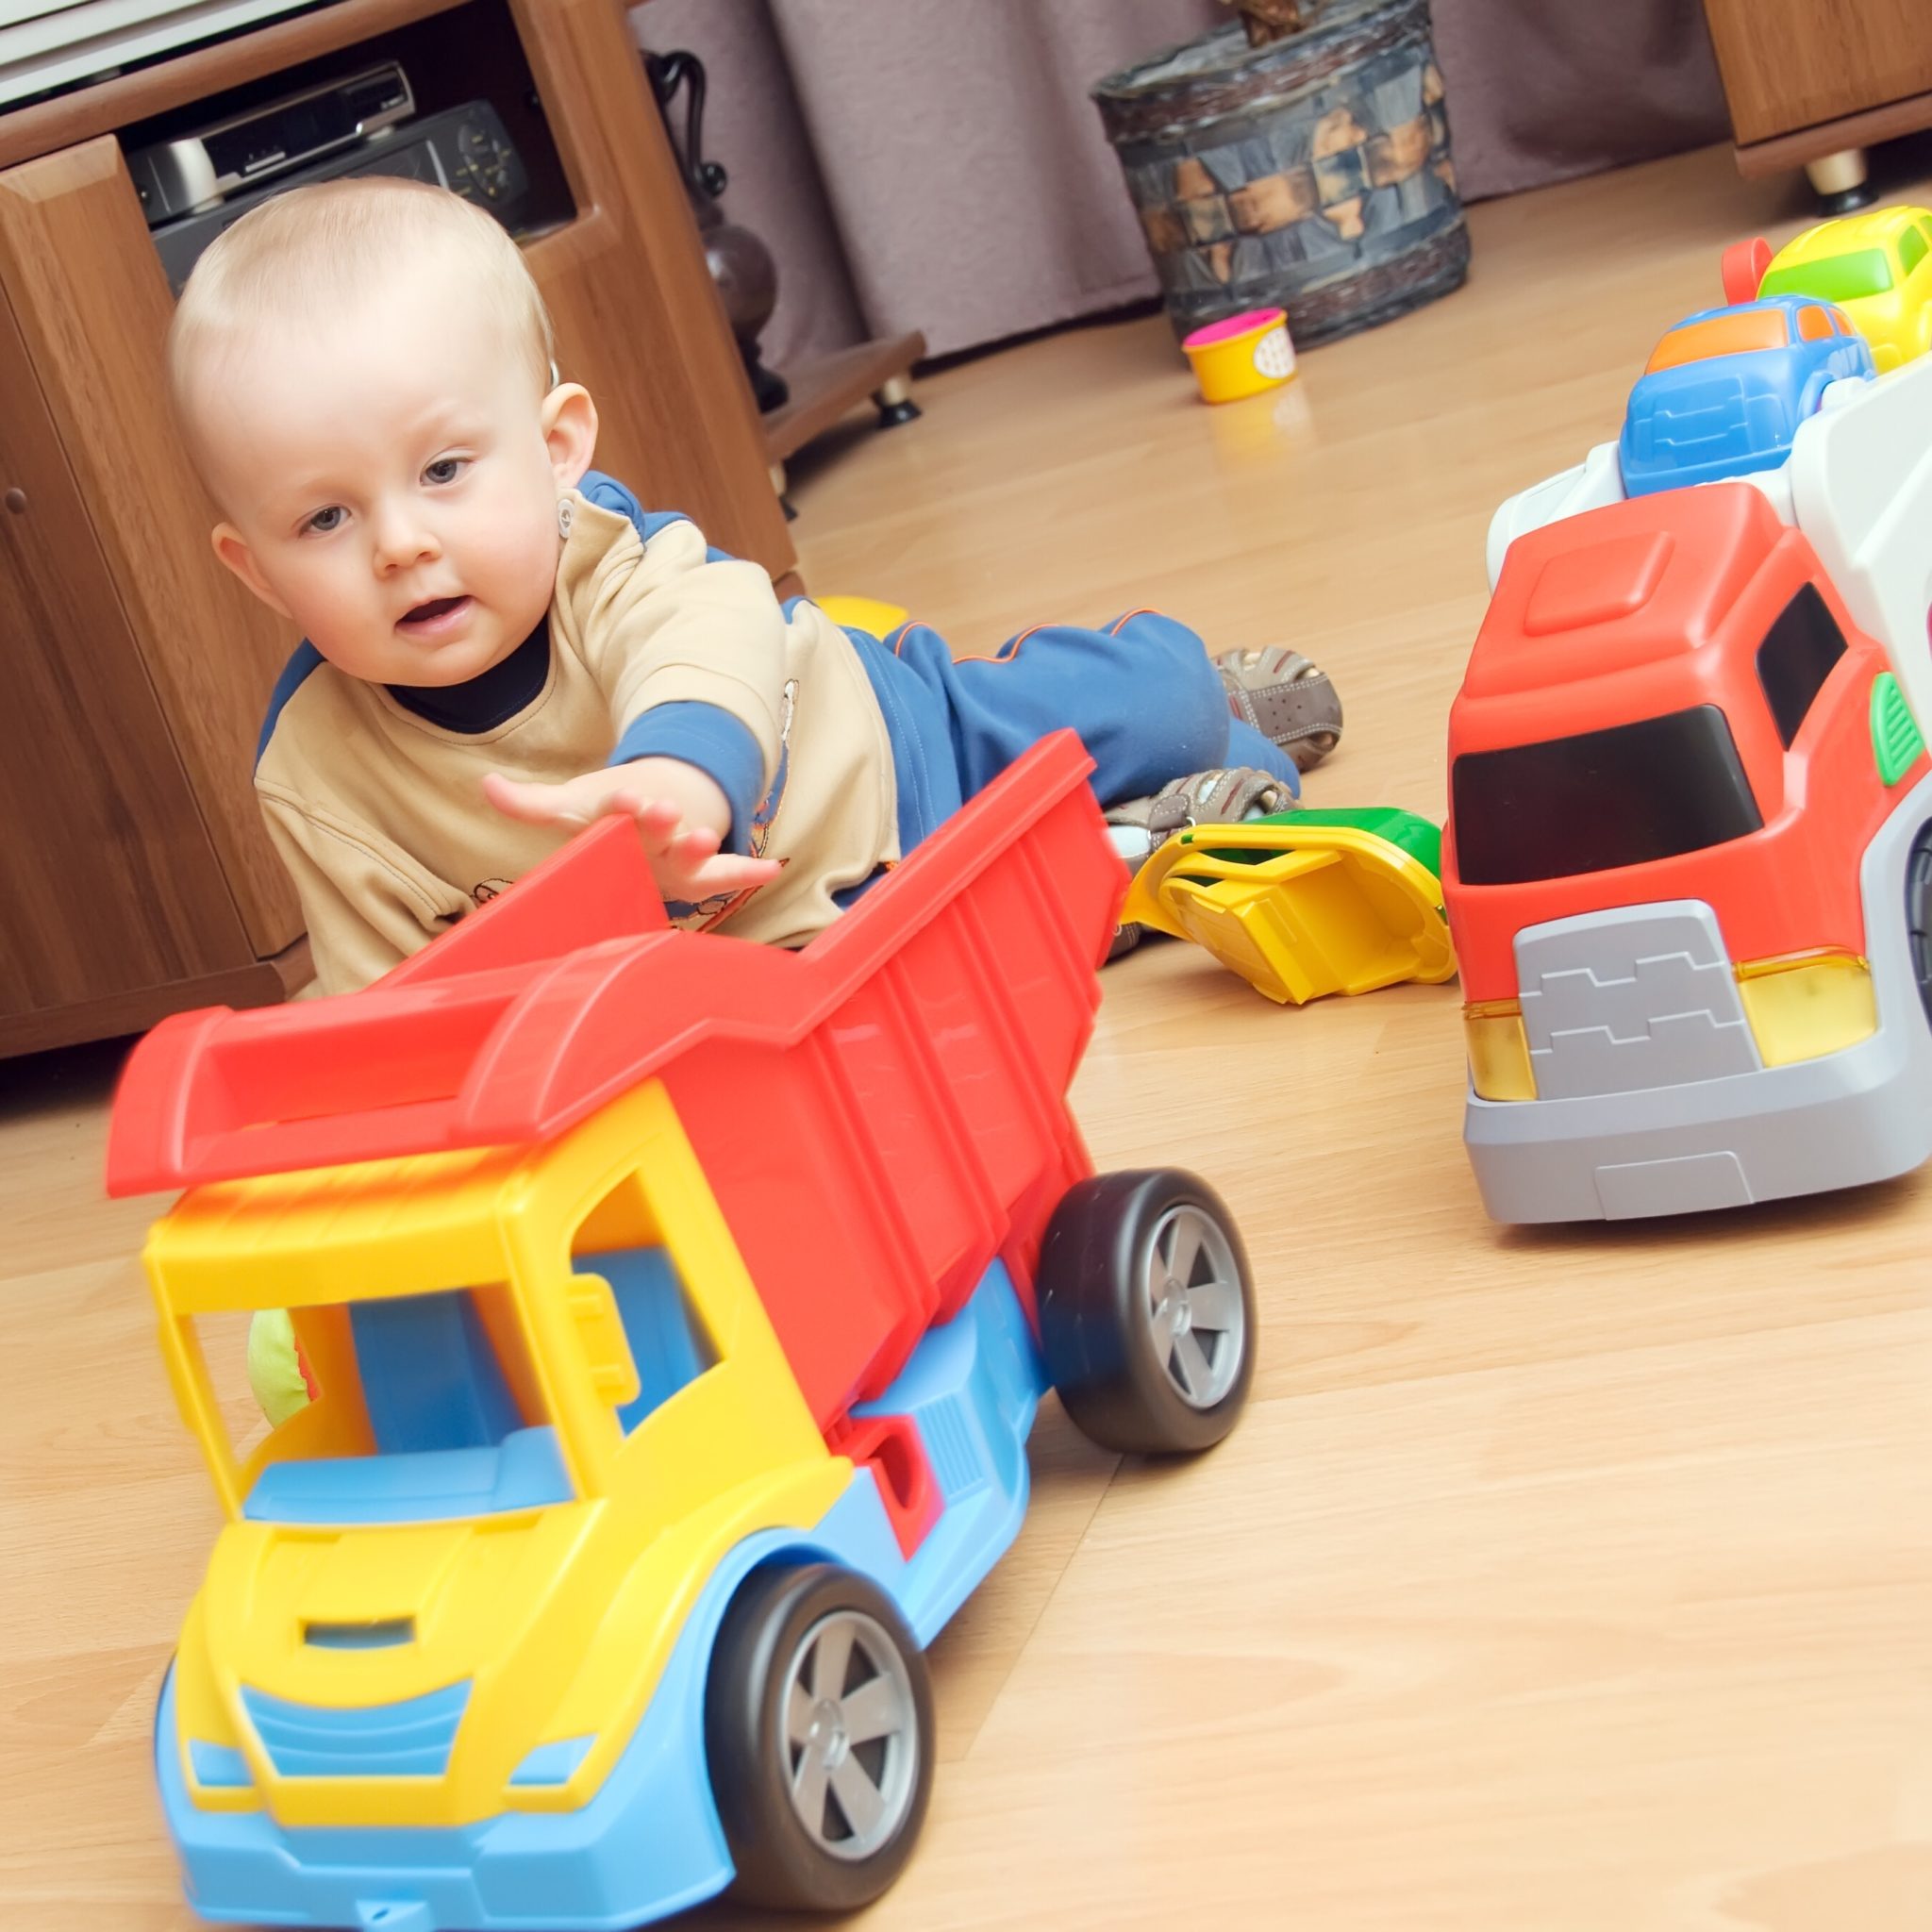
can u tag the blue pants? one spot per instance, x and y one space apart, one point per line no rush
1142 693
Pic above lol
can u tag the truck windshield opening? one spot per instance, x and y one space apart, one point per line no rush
1601 800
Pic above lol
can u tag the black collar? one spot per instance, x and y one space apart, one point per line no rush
491 699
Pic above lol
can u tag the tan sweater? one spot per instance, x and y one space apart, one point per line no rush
380 817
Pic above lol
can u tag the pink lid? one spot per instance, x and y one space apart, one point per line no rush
1244 323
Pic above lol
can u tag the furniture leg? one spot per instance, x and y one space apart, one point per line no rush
895 404
1839 180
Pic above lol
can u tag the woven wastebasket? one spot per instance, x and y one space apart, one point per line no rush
1312 174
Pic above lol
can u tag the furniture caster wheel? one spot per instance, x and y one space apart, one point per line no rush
1840 181
1848 202
895 404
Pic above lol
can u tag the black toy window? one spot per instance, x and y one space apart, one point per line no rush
1799 652
1600 800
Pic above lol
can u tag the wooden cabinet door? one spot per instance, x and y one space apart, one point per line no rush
1792 63
72 246
108 880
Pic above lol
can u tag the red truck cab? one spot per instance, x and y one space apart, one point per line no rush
1670 760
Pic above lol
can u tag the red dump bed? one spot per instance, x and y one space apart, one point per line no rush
880 1115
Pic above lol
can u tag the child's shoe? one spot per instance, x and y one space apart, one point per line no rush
1287 699
1220 798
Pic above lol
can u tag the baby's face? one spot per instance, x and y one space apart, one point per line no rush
391 482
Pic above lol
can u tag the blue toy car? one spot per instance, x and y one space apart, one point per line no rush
1725 391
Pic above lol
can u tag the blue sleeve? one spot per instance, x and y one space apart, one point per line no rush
709 737
295 675
607 492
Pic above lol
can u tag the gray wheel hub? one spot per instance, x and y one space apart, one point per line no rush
1192 1297
850 1734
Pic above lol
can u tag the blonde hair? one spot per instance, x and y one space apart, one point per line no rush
314 249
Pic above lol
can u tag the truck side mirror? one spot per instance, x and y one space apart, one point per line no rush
606 1348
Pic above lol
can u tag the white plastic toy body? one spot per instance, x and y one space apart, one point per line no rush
1857 482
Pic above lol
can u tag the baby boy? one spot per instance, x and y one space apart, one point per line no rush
502 645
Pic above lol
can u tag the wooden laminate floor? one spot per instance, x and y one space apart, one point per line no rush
1577 1581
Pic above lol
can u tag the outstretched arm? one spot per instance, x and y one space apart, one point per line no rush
681 812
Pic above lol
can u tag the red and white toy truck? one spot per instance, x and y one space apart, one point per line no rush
1688 870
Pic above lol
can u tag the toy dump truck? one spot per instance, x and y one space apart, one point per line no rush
676 1310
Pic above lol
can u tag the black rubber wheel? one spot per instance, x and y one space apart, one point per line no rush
818 1724
1919 913
1147 1311
1847 201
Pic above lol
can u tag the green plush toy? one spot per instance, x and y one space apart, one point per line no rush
275 1366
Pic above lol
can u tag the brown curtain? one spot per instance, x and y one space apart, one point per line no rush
1540 90
936 164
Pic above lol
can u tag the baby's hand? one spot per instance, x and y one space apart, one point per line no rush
681 813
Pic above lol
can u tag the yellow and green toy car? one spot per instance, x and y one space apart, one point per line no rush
1876 266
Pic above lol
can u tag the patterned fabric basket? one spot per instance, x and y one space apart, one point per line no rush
1312 174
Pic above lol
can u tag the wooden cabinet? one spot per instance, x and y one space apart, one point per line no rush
1813 82
109 882
135 877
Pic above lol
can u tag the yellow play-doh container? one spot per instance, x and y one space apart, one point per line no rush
1241 355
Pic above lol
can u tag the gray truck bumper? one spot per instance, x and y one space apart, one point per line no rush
1848 1117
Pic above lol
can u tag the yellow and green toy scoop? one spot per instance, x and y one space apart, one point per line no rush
1306 903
